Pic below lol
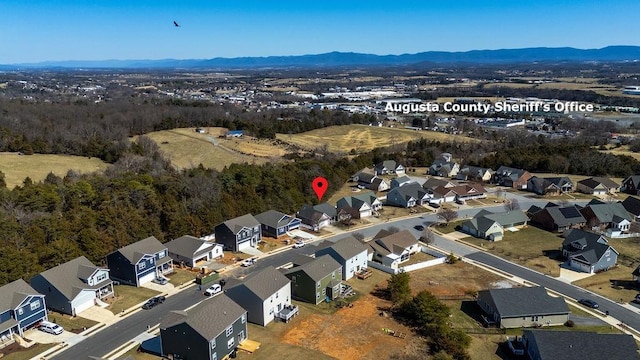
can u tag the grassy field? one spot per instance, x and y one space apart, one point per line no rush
187 149
361 138
616 284
622 150
37 166
128 296
527 247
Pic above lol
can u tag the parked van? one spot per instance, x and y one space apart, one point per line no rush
50 328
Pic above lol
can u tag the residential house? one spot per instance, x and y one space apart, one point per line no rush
263 294
603 215
483 228
442 194
275 224
557 218
433 183
408 196
443 168
392 249
542 186
522 307
389 167
21 308
361 205
212 329
631 185
312 218
400 181
140 262
475 173
189 250
588 252
234 133
468 192
598 186
329 210
632 205
513 178
74 286
348 252
571 345
636 274
239 233
506 219
378 185
564 183
316 280
356 177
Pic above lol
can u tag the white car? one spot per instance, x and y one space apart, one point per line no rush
298 244
213 290
248 262
50 328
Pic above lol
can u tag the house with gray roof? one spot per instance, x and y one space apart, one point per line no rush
189 250
264 294
483 228
74 286
315 280
549 186
506 219
631 185
511 177
138 263
603 215
434 182
556 218
212 329
239 233
21 308
348 251
598 186
578 345
408 196
588 252
400 181
522 307
392 249
389 167
275 224
359 206
313 218
443 168
475 173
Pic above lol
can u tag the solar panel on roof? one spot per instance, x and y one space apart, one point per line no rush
569 212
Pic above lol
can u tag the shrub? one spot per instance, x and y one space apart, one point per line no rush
569 323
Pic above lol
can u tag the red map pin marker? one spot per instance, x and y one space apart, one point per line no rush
319 186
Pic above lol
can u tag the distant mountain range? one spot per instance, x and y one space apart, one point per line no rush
338 59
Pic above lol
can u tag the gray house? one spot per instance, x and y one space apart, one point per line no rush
239 233
407 196
483 228
21 308
506 219
400 181
74 286
141 262
389 167
571 345
588 252
523 307
190 250
263 294
349 252
315 280
213 329
275 224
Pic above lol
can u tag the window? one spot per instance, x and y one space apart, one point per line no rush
229 330
142 265
214 356
293 279
333 275
162 254
20 311
101 277
34 305
213 344
244 318
276 295
318 285
324 292
230 343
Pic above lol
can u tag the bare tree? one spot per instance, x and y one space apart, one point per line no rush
512 204
447 215
393 229
427 236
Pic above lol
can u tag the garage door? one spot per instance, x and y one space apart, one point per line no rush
84 306
244 245
324 223
365 213
148 277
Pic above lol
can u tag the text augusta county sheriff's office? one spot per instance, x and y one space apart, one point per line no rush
484 108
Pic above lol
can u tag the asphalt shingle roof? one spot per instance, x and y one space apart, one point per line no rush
579 345
67 277
318 268
187 246
244 221
265 282
13 293
526 301
347 247
134 252
273 218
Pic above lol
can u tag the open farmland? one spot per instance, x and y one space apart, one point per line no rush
342 139
187 148
37 166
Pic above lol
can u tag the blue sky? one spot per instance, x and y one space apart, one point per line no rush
43 30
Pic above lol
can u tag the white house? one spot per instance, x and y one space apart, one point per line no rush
349 252
392 249
190 250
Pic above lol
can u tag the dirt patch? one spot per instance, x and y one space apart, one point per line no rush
453 279
361 326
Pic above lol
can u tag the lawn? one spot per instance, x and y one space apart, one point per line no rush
616 284
129 296
37 166
181 276
74 324
15 352
362 138
448 228
530 247
418 258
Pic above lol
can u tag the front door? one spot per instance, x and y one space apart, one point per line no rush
240 336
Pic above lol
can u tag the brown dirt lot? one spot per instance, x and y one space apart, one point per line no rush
452 279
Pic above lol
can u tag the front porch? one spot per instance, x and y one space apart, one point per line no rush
105 291
164 266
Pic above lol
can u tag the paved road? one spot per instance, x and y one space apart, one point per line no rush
111 338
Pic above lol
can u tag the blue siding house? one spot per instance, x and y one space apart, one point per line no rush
275 223
140 262
21 307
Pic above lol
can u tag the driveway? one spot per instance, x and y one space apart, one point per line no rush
568 275
46 338
99 314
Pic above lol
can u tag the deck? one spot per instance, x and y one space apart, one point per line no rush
287 313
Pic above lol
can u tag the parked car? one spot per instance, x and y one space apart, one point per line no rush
419 227
434 205
50 328
151 303
160 280
589 303
459 201
637 299
213 290
298 244
249 262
